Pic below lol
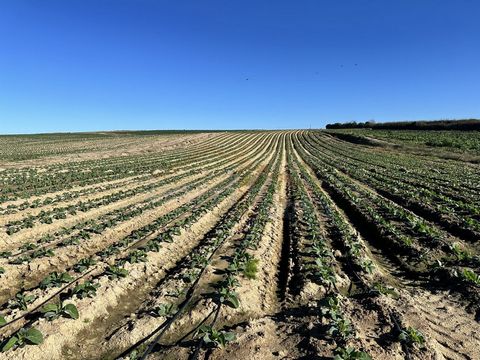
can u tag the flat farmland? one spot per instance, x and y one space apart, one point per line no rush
344 244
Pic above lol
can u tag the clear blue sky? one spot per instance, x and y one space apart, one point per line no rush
78 65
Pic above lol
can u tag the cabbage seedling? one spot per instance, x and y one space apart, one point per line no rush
54 311
24 336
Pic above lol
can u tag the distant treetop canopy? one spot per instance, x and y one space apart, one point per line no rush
467 124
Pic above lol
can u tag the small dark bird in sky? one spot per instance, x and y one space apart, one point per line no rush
356 64
246 79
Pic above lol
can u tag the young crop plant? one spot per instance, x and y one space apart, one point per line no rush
340 327
5 254
165 310
20 260
470 276
43 253
137 256
84 264
2 321
412 337
349 353
251 268
215 338
21 301
56 279
86 289
460 252
54 311
28 246
367 265
379 288
23 337
228 297
116 272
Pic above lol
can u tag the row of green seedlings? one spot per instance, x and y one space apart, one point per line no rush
81 166
47 217
355 249
48 182
411 169
107 166
66 196
193 164
408 336
194 267
339 327
456 254
428 201
84 230
418 225
116 271
136 234
94 228
119 215
322 270
243 263
305 225
402 161
363 202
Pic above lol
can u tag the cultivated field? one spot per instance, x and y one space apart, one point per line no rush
240 245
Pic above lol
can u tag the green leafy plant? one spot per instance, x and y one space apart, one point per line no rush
86 289
367 265
28 246
340 326
165 310
115 272
137 256
228 297
43 253
470 276
330 306
5 254
349 353
21 301
23 337
379 288
460 252
2 321
250 269
412 337
213 337
190 275
55 279
84 264
54 311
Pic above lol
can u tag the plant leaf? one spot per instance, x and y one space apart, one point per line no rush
34 336
71 310
49 308
10 343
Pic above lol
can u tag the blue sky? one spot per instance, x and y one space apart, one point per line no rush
81 65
